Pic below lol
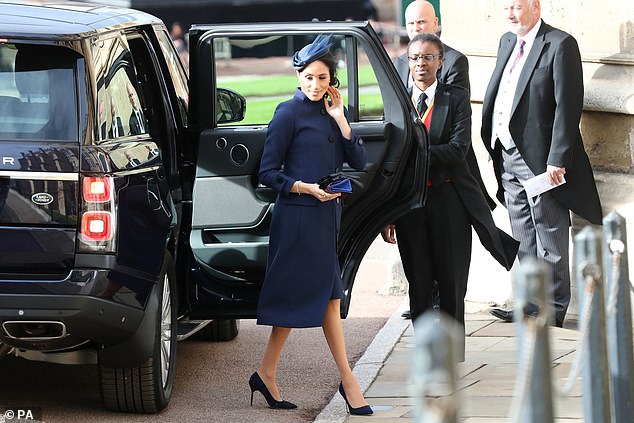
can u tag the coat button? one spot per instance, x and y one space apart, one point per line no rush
322 111
360 141
280 180
331 138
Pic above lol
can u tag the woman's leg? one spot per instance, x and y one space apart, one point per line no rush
268 366
333 330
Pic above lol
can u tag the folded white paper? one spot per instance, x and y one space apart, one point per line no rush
538 185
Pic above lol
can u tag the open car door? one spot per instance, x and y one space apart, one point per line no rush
231 210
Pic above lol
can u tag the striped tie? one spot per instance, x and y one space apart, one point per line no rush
519 55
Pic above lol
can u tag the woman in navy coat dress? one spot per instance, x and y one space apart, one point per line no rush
308 137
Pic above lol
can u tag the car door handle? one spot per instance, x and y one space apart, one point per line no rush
265 194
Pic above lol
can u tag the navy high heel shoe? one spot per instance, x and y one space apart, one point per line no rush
365 410
257 384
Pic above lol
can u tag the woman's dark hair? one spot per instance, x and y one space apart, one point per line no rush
329 60
427 37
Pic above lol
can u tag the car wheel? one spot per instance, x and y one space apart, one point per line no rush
4 350
219 330
148 387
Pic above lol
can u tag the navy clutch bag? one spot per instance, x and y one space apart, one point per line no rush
338 182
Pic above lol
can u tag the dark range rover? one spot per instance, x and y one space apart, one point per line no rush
130 211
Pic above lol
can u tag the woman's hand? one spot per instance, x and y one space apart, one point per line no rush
318 193
334 107
334 103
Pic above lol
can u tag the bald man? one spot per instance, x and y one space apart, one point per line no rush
420 17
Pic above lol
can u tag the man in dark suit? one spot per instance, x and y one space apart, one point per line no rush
435 241
420 17
101 111
530 126
138 123
116 126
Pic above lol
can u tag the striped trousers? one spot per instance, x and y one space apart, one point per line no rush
541 225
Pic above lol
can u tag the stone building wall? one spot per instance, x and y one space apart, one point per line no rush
605 33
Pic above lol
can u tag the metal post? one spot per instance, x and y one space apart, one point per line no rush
434 379
532 401
596 393
619 317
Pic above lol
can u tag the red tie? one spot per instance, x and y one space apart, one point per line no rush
519 55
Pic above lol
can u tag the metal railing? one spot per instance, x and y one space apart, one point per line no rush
604 354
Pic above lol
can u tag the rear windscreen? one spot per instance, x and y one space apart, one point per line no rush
38 99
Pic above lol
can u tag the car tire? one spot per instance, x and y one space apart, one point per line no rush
148 387
4 350
219 330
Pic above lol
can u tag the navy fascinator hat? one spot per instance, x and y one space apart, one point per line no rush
313 51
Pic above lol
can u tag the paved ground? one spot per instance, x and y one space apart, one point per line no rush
486 381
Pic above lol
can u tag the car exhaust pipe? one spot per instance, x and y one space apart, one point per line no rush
34 330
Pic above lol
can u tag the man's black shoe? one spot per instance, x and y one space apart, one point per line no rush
407 314
505 315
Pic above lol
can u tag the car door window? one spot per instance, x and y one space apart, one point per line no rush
38 93
177 71
119 108
259 69
370 99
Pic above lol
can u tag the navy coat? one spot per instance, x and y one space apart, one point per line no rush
303 143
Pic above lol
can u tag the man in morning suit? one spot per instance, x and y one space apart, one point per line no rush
530 125
420 17
103 128
116 128
137 122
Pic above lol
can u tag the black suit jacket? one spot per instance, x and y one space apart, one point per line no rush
135 126
119 129
450 140
545 116
454 71
103 132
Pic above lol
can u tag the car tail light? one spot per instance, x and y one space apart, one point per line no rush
97 230
97 189
96 226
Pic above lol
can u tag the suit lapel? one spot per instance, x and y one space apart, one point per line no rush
402 67
445 66
439 113
529 65
506 48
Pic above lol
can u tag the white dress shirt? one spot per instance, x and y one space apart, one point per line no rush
506 91
430 91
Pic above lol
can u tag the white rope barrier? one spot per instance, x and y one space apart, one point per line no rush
582 342
526 361
616 247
